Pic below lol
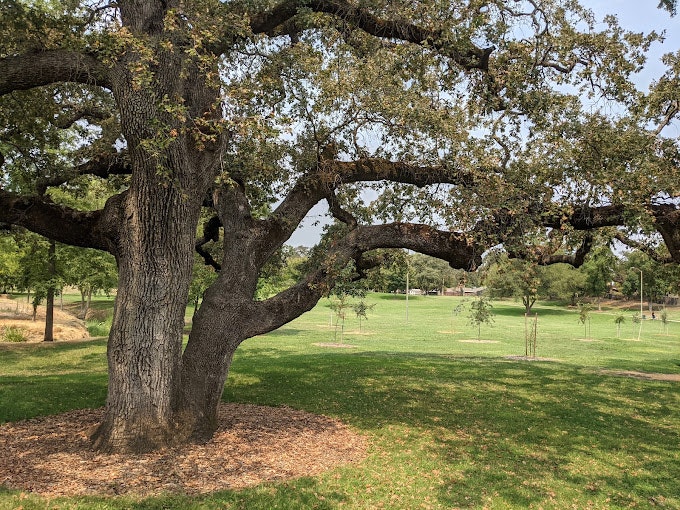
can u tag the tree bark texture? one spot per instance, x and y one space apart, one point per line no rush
49 305
144 351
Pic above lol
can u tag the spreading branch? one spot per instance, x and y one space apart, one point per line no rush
87 229
103 165
650 251
464 53
667 220
320 184
27 71
455 248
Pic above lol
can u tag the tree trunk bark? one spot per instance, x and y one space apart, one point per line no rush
219 326
144 351
49 305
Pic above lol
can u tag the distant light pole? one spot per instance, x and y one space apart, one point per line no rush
638 269
407 291
408 269
639 330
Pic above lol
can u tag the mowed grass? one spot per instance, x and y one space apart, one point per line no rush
452 422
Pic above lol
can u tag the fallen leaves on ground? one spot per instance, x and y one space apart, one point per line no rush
52 455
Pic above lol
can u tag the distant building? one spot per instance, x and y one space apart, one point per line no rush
464 291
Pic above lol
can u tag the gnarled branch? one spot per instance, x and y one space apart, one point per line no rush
211 232
27 71
88 229
103 165
465 53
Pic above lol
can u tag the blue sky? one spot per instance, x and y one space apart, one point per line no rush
642 16
635 15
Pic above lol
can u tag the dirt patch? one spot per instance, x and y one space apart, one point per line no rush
642 375
473 341
530 358
336 345
19 314
51 456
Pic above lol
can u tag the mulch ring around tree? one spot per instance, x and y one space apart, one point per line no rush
52 456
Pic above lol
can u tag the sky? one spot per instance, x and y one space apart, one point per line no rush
635 15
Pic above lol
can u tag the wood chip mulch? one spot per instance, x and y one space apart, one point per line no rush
52 456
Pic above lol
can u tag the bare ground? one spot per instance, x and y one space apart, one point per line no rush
20 315
642 375
51 455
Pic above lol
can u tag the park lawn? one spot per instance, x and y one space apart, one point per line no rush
453 422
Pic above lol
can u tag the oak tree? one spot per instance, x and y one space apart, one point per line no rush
407 119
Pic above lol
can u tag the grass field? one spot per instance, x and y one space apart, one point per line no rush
453 422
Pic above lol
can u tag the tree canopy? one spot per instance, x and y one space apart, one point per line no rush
445 128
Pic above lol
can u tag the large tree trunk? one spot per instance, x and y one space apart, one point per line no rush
144 349
49 305
219 326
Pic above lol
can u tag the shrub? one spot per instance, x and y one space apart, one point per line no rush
13 334
99 328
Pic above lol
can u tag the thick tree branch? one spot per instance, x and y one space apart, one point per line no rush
211 232
455 248
88 229
667 220
31 70
339 213
72 115
544 255
103 165
465 53
320 184
644 248
586 218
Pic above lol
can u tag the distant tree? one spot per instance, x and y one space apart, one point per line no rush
390 274
10 269
429 273
515 278
90 271
658 279
563 282
599 269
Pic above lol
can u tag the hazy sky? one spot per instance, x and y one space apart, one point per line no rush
635 15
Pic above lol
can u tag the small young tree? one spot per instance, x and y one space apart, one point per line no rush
637 319
530 334
584 311
619 319
339 304
664 321
481 312
361 309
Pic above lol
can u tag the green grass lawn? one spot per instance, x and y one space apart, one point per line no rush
452 422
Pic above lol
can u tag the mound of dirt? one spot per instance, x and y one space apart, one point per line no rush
19 314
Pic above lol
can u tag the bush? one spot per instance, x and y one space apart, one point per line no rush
99 328
13 334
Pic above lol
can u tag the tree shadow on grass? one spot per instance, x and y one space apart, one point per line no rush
522 433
